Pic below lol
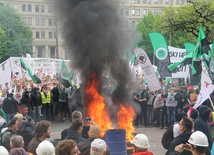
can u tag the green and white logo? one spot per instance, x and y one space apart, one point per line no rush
161 53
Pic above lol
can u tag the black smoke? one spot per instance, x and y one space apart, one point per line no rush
93 36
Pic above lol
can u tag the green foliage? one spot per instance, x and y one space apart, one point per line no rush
179 24
15 36
145 26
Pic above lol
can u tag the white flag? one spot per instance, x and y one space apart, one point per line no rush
206 89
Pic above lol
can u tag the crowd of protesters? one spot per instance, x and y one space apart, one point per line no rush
26 107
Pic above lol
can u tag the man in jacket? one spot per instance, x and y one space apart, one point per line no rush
186 127
93 133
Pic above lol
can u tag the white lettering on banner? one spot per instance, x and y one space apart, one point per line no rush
177 55
147 69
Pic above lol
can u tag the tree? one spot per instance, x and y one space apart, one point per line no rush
145 26
15 37
187 19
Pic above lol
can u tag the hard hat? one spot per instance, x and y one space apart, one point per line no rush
45 147
3 150
198 138
141 141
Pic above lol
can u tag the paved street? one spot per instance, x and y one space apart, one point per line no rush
154 134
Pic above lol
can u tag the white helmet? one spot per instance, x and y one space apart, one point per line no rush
45 147
3 150
141 141
198 138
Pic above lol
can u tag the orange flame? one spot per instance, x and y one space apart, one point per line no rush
125 120
96 106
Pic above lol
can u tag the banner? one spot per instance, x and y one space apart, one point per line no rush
5 73
161 52
147 69
177 55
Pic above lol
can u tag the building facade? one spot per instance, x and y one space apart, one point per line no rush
48 40
39 15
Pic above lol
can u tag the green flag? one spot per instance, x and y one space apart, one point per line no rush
161 52
202 47
26 68
64 76
71 76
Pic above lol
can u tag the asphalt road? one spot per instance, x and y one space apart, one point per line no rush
154 134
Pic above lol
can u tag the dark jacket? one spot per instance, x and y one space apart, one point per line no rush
181 139
74 135
36 96
10 105
167 137
18 151
85 146
201 123
5 138
27 100
55 92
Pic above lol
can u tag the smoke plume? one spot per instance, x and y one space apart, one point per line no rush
92 34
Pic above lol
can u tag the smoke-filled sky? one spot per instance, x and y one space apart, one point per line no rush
94 39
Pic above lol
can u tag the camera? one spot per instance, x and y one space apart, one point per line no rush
88 119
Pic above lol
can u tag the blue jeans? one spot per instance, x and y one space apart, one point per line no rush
171 115
37 113
10 116
150 112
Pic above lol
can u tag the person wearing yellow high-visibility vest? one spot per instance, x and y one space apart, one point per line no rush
46 103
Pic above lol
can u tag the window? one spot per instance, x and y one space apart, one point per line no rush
149 1
144 11
133 1
126 11
42 8
167 2
160 12
177 2
122 24
160 1
126 24
29 21
50 35
24 20
24 7
149 10
1 4
50 8
133 12
171 2
37 35
37 21
127 1
40 51
155 1
144 1
16 7
137 12
133 24
122 11
52 52
55 35
138 1
155 12
43 22
42 34
121 1
36 8
50 22
29 8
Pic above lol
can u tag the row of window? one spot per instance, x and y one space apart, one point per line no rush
125 24
39 21
45 35
171 2
41 51
32 7
137 12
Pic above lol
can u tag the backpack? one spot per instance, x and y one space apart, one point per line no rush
3 135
